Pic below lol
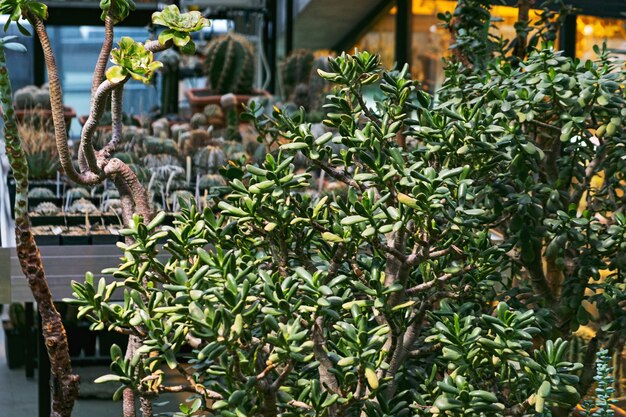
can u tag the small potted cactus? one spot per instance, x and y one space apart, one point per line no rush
229 67
32 106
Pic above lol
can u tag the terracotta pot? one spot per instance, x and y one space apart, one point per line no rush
199 98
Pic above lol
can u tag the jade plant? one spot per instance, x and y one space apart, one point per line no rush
388 301
132 59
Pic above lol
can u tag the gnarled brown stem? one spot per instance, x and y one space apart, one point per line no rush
56 103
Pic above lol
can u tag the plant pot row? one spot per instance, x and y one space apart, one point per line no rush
68 240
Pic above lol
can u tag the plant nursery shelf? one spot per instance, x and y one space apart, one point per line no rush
63 264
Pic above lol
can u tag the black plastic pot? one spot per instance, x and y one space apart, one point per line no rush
80 339
105 239
106 339
48 220
75 240
14 345
48 240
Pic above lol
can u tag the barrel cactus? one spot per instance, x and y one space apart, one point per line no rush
189 142
40 192
31 97
82 206
214 115
295 70
158 160
209 159
209 181
198 120
153 145
229 64
77 193
46 209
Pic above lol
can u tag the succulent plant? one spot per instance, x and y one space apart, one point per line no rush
229 64
153 145
46 208
161 128
198 120
132 59
82 206
209 159
110 193
209 181
318 87
177 195
179 129
295 70
233 149
31 97
77 193
113 205
125 157
41 192
179 26
158 160
213 112
189 142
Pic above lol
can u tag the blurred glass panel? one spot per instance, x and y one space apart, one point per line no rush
77 49
594 31
21 65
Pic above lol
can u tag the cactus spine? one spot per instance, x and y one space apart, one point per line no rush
229 65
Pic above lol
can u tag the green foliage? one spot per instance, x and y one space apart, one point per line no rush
499 347
132 59
119 11
229 64
601 406
377 303
17 9
179 26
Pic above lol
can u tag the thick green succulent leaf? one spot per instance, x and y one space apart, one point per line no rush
134 60
120 10
17 9
172 18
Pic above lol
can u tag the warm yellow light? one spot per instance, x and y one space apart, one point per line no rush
588 30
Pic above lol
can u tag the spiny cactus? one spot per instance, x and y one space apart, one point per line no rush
214 114
110 193
154 161
46 209
111 205
76 193
198 120
155 146
82 206
209 159
209 181
32 97
169 81
41 192
229 64
295 69
189 142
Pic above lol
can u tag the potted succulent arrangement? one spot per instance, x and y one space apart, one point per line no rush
32 106
229 67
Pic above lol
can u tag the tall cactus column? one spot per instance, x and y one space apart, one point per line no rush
229 65
66 383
